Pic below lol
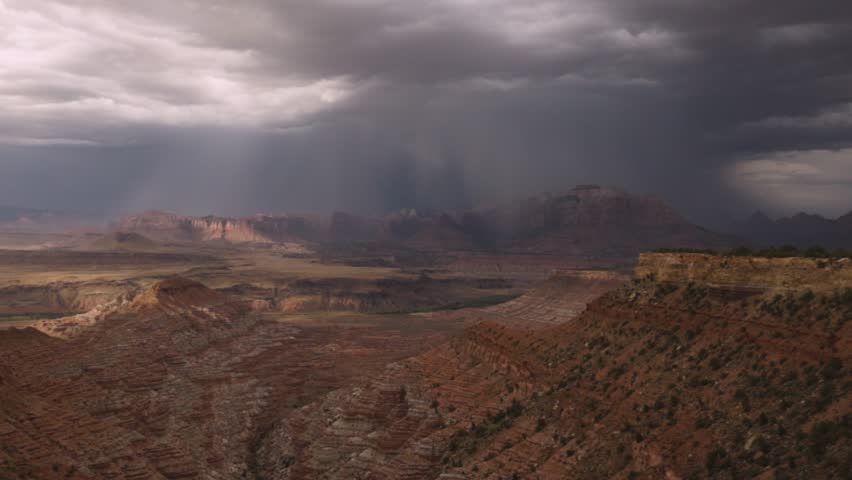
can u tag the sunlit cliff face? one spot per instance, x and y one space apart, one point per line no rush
378 105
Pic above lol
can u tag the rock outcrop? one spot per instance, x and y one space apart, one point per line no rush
794 273
166 226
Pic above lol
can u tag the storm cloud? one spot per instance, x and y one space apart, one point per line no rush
373 105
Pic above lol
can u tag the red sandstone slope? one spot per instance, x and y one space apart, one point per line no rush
706 367
659 379
105 404
181 382
560 299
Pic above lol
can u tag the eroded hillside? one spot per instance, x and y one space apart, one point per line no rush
179 382
699 367
657 379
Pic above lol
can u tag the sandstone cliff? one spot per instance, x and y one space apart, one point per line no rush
256 229
745 272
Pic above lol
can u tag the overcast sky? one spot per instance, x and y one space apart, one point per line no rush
217 106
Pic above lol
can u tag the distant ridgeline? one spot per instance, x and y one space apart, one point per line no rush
586 220
801 230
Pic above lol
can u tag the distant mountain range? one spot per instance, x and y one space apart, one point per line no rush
12 214
800 230
586 220
31 219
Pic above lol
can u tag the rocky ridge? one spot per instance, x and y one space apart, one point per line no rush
662 378
802 230
794 273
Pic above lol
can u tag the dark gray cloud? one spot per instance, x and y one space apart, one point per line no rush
372 105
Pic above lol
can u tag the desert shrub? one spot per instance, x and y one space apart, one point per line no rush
715 363
454 445
705 251
832 369
716 460
827 433
826 397
515 409
703 422
741 252
844 298
816 252
741 397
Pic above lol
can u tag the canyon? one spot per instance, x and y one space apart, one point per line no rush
691 366
664 377
591 334
435 240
